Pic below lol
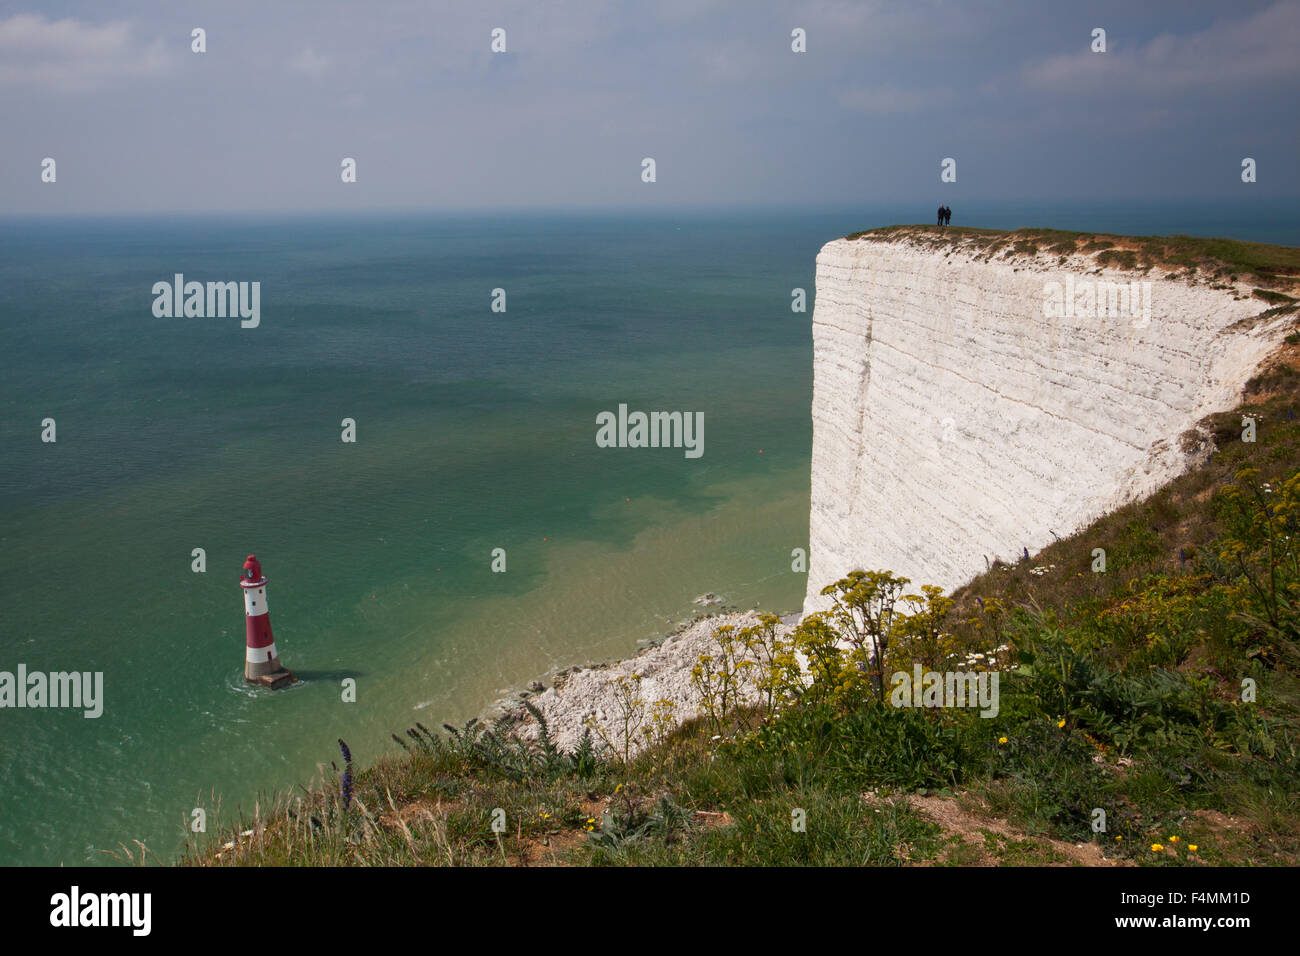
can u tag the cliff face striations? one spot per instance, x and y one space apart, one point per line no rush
969 404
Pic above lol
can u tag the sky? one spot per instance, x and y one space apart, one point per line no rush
711 90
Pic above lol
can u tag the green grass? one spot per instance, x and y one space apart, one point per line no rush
1121 691
1221 258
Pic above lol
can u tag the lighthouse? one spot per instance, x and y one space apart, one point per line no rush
261 663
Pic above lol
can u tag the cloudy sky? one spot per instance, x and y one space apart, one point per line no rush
710 89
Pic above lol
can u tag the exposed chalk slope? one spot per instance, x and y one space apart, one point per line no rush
953 421
590 693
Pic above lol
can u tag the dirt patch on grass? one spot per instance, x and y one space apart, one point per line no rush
975 840
712 818
555 847
415 811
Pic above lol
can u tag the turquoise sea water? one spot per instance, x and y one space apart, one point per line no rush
475 431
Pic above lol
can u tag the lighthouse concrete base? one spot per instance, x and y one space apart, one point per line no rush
274 680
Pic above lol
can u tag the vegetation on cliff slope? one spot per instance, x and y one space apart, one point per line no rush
1218 261
1148 669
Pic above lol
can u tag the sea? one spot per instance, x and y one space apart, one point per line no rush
471 539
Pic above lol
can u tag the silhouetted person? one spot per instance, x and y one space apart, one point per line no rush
947 215
939 222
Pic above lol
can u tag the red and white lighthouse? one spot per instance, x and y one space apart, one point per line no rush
261 663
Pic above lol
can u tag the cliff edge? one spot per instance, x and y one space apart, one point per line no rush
979 392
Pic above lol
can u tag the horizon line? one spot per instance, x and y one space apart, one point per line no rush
847 208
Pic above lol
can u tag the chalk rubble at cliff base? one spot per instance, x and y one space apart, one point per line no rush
957 419
589 692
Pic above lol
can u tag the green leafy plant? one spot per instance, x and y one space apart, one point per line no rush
863 611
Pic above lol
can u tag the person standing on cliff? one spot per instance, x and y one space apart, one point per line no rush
940 222
947 215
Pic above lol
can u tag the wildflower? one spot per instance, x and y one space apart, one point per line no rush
1002 740
1118 838
1173 839
618 788
1156 847
1192 848
1060 723
346 786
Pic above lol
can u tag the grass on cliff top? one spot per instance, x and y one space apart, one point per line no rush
1122 690
1221 258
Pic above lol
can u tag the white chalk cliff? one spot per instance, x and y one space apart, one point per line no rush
954 421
